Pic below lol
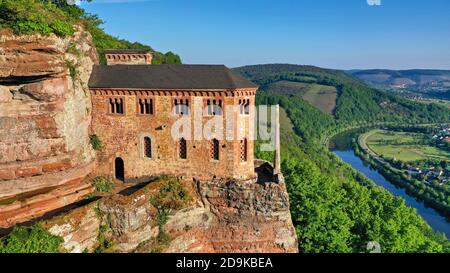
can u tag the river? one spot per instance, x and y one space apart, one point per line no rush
433 218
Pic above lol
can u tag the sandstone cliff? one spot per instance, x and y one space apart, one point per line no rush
223 216
44 121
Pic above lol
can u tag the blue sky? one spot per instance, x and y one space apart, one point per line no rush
343 34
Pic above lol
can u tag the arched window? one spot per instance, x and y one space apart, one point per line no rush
182 149
215 149
244 150
147 147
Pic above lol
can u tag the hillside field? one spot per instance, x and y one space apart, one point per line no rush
403 146
321 96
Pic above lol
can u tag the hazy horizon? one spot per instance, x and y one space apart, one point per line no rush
346 35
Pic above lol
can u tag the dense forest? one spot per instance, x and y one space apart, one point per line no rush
47 17
334 207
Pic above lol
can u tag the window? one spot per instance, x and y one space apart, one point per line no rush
244 150
214 107
214 149
182 149
244 106
147 147
145 106
181 106
116 106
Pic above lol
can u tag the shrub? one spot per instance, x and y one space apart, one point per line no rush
102 184
72 70
35 16
96 142
34 239
171 196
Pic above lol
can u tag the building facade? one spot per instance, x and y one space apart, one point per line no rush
191 121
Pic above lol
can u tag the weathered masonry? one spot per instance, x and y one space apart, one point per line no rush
128 56
136 106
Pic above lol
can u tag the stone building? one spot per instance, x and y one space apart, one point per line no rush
136 107
128 56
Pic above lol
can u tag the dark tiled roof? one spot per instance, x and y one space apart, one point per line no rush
167 76
126 51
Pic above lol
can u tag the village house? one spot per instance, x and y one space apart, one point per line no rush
135 105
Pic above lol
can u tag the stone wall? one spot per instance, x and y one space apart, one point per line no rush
128 58
123 136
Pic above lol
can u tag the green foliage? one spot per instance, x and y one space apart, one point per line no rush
72 70
104 245
172 196
332 214
35 16
95 142
32 239
102 184
56 16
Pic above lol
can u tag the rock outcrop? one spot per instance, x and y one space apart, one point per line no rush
44 115
224 217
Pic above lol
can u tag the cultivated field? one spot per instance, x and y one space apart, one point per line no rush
321 96
403 146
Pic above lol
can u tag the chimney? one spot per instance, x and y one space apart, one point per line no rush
128 56
277 156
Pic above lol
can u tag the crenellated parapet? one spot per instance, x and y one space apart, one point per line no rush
128 56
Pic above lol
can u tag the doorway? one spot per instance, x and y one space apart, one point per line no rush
119 169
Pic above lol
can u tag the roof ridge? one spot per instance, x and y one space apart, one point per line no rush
228 73
167 76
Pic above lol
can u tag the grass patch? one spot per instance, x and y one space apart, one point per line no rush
322 96
102 184
34 239
403 146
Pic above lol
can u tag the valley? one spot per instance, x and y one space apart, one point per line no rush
315 175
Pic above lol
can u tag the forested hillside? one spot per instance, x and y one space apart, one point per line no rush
356 103
56 16
335 208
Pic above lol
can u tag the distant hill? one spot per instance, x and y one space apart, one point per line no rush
349 99
432 83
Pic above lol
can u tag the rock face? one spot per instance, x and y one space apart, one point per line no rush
44 111
224 216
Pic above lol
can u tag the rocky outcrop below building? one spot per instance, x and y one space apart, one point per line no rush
221 216
44 122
